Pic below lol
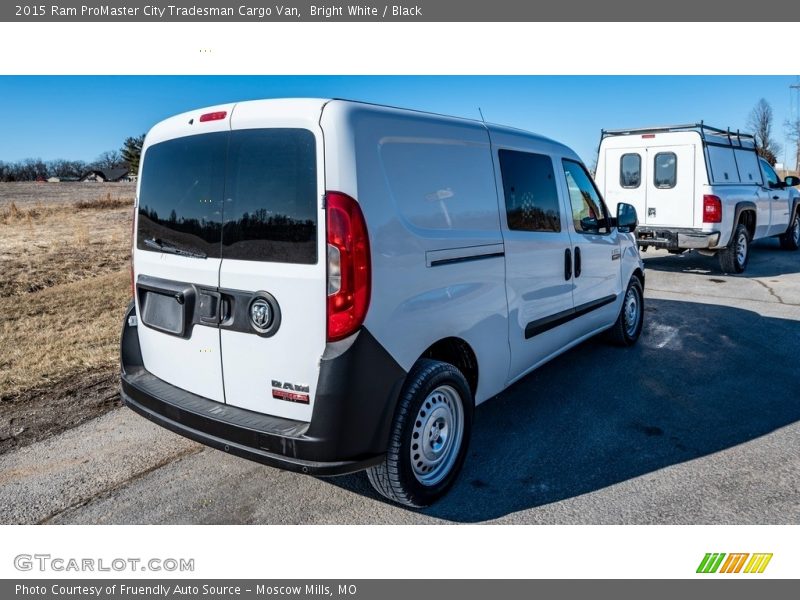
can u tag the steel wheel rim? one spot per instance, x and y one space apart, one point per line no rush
631 310
741 248
796 230
436 435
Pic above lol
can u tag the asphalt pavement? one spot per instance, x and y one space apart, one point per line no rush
698 423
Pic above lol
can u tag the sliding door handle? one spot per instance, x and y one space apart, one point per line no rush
577 262
567 264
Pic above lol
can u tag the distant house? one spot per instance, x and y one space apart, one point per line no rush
102 175
53 180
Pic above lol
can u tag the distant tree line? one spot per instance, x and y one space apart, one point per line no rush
32 169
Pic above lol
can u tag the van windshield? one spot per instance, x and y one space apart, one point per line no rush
248 194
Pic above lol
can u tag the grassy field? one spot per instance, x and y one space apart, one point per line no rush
64 285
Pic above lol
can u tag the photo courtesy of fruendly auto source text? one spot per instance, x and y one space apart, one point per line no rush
374 300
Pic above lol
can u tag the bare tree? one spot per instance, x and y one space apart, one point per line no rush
760 122
110 159
793 133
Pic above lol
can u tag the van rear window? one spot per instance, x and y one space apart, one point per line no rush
180 198
248 195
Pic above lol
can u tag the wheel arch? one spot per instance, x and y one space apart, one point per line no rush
746 215
459 353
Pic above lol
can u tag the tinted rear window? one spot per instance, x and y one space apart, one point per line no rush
271 201
180 200
247 195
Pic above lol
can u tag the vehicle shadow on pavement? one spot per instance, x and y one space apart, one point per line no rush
702 378
767 259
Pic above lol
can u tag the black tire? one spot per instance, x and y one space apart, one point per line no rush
397 477
791 239
676 251
628 326
733 258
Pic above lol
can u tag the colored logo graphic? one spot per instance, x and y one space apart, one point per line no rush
734 563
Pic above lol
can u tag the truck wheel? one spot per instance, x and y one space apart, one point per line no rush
791 239
628 327
733 258
429 436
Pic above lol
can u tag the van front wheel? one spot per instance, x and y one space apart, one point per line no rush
429 438
628 327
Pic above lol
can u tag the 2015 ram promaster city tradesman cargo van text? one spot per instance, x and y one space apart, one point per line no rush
330 286
699 187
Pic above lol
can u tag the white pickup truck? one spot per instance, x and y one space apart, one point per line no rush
698 187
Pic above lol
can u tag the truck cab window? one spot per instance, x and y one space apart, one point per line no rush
770 176
588 212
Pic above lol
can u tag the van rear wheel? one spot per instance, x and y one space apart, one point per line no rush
429 438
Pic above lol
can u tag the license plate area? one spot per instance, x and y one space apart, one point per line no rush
166 306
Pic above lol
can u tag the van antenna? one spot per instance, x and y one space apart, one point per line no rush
481 113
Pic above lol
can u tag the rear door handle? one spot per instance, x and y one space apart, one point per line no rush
776 197
567 264
577 262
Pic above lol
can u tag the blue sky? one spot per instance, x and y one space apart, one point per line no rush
80 117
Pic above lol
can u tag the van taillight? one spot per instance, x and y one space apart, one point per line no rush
133 245
349 270
712 209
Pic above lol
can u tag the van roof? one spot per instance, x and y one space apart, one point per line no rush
488 124
319 103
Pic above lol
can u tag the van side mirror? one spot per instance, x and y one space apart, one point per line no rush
627 220
791 181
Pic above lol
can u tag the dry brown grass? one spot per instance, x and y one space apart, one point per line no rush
103 203
43 246
60 332
64 285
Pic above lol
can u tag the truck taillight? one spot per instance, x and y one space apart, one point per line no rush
712 209
349 269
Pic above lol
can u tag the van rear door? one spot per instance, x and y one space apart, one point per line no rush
176 255
670 186
273 272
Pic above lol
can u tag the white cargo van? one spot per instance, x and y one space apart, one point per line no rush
329 286
698 187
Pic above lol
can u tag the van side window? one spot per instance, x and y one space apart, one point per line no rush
588 212
770 176
630 170
529 187
665 173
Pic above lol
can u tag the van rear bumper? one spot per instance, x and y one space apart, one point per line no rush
326 446
675 238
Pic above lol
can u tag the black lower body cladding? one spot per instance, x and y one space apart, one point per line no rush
357 392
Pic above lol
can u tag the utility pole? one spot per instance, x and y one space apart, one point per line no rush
794 122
